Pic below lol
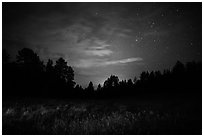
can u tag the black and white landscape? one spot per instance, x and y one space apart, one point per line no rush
116 68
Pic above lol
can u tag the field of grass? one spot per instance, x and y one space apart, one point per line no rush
100 117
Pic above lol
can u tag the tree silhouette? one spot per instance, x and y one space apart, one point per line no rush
78 91
49 66
50 76
31 64
110 86
99 88
179 68
144 76
135 80
64 72
90 90
29 58
70 78
194 77
130 83
7 74
29 72
90 87
112 81
78 87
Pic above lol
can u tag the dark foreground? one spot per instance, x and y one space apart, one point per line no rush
153 115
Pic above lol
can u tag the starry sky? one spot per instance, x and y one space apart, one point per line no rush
99 39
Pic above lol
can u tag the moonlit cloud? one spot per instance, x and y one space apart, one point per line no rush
87 63
103 46
122 61
99 50
122 35
100 53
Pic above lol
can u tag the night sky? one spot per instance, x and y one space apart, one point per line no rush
100 39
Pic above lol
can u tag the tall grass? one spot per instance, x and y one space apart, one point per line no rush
90 118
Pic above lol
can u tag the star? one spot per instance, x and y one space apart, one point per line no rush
138 38
152 24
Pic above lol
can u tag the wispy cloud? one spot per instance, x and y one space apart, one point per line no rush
100 48
120 34
87 63
100 52
122 61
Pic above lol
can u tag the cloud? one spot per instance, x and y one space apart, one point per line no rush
98 48
122 61
116 31
100 53
121 34
88 63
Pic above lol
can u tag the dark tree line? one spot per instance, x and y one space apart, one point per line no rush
29 76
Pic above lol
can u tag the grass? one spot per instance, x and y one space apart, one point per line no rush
98 117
